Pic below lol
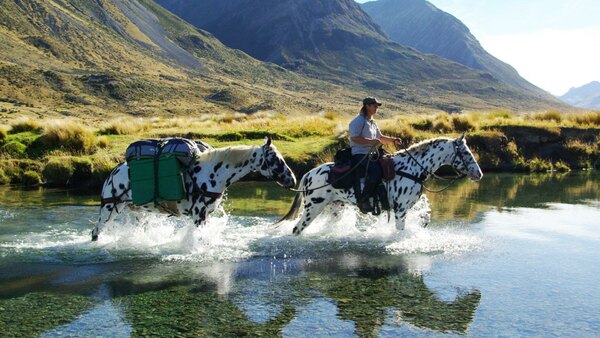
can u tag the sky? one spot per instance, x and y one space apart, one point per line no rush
554 44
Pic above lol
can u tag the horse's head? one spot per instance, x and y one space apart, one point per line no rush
464 161
273 165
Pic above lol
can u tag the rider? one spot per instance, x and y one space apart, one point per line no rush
365 136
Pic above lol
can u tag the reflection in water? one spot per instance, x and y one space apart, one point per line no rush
378 288
467 199
167 300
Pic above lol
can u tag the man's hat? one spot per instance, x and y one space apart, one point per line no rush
371 100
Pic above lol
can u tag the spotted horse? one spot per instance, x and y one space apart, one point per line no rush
413 166
205 181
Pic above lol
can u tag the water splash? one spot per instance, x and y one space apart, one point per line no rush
235 238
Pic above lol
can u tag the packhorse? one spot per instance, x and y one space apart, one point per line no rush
205 180
412 167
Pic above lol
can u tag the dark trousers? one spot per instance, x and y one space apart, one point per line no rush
373 172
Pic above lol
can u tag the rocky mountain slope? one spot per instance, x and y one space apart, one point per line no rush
586 96
336 41
419 24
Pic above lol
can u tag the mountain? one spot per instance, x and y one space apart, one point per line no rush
80 57
420 25
586 96
336 41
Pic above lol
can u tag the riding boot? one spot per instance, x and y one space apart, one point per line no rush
364 203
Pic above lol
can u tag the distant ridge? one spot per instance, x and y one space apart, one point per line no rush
421 25
336 41
586 96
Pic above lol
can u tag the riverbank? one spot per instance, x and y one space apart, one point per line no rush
72 153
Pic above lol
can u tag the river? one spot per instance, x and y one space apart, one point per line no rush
512 255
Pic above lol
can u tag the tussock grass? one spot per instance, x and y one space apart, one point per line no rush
58 171
69 136
25 124
126 126
586 119
549 116
3 133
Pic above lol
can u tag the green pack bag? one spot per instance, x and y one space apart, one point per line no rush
156 169
168 185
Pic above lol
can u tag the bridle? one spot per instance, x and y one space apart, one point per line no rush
459 175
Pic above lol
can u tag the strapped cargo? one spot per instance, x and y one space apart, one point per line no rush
156 168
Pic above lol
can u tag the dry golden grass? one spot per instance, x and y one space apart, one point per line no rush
70 136
126 126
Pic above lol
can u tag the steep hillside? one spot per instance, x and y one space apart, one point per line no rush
419 24
586 96
336 41
79 57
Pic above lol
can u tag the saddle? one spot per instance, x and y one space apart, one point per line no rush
342 177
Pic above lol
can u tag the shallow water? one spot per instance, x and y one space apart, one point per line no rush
512 255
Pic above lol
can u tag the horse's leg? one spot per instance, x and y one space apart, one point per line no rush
202 208
400 215
108 212
313 206
115 192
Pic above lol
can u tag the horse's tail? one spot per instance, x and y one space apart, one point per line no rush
295 208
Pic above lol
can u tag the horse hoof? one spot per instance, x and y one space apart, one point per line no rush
94 238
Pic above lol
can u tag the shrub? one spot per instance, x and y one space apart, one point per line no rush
539 165
13 148
578 154
58 171
31 177
4 179
69 136
561 166
23 125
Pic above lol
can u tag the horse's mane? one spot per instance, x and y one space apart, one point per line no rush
233 154
418 147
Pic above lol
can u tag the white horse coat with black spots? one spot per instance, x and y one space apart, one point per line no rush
419 161
205 181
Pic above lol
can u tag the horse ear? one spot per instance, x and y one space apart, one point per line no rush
461 138
267 141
